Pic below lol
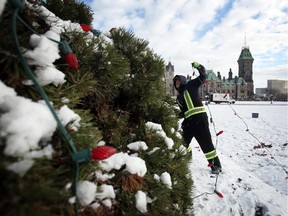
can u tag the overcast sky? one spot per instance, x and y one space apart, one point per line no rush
211 32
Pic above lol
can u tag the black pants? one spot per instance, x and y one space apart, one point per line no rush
198 126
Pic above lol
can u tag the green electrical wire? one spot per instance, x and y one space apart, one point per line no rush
32 30
27 26
62 129
38 87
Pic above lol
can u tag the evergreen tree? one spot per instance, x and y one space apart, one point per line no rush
73 10
116 91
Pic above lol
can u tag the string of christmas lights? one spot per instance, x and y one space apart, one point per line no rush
98 153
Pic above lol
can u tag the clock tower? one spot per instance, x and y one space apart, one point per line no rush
245 69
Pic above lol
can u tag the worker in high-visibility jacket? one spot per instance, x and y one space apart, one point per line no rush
195 122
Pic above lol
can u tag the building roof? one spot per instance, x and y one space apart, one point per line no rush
245 54
240 81
212 76
169 66
229 82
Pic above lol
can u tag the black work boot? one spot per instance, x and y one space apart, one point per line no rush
215 165
216 170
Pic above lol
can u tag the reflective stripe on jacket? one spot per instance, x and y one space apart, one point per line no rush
191 109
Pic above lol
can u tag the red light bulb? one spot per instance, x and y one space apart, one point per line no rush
219 133
102 152
72 60
85 27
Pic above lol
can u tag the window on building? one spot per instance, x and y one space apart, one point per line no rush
232 91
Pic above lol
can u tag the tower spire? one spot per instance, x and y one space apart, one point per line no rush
245 42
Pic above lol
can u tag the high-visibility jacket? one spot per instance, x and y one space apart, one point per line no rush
189 98
191 109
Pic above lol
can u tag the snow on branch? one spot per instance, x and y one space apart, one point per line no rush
157 127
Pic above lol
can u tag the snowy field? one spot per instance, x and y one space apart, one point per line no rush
251 180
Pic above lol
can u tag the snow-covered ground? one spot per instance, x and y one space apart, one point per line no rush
251 179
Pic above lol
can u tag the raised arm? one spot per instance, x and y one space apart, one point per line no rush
202 71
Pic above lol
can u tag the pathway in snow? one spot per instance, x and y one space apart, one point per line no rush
251 179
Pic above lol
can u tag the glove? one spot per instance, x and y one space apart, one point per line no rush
195 64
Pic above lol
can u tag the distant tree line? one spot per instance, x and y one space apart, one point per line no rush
275 95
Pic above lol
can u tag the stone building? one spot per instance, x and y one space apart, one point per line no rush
238 87
169 75
262 92
245 69
279 85
273 87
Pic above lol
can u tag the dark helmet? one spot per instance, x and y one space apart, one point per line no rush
182 79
